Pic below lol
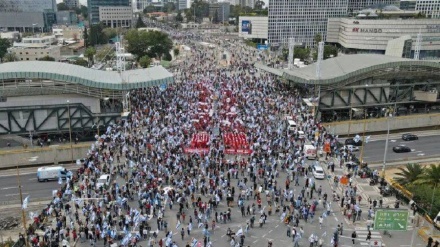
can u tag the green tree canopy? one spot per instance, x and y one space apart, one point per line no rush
317 38
145 61
96 35
179 17
47 58
169 7
10 57
409 174
4 45
62 6
151 43
140 22
81 62
150 9
89 53
431 176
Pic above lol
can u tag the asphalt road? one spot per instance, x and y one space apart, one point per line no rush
424 147
9 193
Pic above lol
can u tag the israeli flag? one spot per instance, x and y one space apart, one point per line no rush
25 202
324 234
367 139
239 232
194 243
60 180
178 224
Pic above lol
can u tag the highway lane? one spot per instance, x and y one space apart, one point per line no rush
9 193
424 147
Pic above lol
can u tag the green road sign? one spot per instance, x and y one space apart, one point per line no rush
389 219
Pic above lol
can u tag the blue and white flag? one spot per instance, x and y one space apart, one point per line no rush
239 232
178 224
194 242
60 180
25 202
367 139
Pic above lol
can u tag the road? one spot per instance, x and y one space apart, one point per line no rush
424 147
9 193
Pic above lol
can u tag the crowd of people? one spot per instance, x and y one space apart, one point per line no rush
153 176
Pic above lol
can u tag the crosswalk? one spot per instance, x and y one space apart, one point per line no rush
362 233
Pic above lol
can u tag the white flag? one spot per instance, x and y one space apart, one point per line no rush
239 232
60 180
25 202
367 139
178 224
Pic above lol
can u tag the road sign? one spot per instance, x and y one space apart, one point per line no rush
262 47
391 219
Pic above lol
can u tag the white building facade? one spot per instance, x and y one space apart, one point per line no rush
116 16
373 36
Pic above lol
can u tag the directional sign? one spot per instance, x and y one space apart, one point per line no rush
391 219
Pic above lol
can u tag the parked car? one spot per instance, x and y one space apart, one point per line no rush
351 141
409 137
318 172
401 149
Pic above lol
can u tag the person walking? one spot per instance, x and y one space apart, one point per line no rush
321 220
182 232
368 235
353 237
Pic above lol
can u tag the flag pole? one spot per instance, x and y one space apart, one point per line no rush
23 216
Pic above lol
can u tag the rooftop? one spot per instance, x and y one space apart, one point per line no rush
130 79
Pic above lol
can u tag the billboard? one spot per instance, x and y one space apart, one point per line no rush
246 27
391 219
262 47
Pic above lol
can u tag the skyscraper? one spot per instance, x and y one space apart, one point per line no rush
303 19
93 6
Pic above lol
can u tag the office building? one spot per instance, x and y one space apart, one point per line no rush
247 3
396 34
430 8
303 19
28 5
72 4
182 4
27 21
356 5
35 48
116 16
222 11
93 6
67 17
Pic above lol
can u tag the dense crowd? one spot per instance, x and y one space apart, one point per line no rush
146 158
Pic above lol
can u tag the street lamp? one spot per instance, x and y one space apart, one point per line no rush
70 131
23 215
386 145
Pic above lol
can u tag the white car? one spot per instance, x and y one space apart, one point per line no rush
318 172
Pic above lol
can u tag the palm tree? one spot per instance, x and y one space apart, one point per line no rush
409 174
431 177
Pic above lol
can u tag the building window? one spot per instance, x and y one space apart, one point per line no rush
27 58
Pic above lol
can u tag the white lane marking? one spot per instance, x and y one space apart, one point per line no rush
420 154
8 188
30 179
24 193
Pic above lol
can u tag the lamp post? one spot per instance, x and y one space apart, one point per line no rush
70 131
23 215
363 137
386 146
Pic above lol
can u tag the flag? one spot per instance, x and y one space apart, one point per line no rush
324 234
367 139
239 232
60 180
25 202
178 224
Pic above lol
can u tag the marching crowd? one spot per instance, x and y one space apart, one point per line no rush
154 180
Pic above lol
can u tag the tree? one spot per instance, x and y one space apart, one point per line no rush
145 61
4 45
89 53
430 176
149 9
317 38
179 17
169 7
96 35
140 22
176 52
47 58
62 6
86 37
10 57
81 62
409 174
259 5
151 43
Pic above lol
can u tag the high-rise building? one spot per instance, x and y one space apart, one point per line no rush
72 3
27 5
182 4
303 19
429 7
93 6
356 5
222 9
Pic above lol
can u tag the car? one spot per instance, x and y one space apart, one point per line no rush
318 172
351 141
401 149
351 148
409 137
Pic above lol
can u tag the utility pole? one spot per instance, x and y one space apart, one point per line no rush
23 215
